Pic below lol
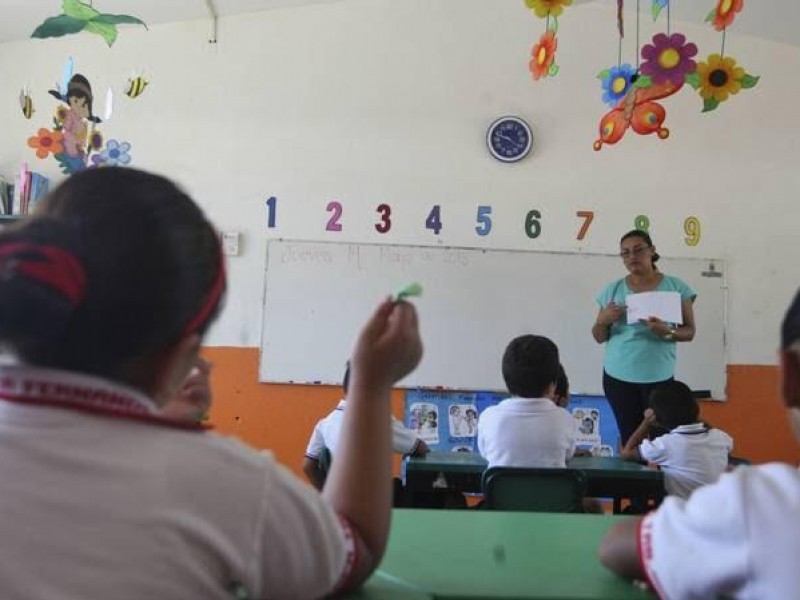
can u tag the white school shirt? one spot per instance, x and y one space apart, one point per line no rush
738 538
99 506
326 434
690 456
527 432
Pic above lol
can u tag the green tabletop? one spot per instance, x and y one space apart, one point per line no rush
382 586
460 555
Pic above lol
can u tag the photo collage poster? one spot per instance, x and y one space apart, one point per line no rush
448 420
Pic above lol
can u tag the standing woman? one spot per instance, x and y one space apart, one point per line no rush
639 356
106 294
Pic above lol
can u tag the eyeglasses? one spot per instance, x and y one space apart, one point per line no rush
635 251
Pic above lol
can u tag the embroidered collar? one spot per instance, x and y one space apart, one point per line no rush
75 391
692 429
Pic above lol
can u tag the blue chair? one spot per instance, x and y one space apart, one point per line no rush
534 490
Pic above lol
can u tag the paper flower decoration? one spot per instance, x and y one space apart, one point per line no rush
719 78
544 55
80 16
725 12
47 142
543 8
657 6
115 154
668 59
616 82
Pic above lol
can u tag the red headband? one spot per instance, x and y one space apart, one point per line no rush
213 297
50 265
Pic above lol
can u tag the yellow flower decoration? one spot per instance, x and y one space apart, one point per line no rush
719 77
542 8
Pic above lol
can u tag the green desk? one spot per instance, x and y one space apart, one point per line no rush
382 586
605 477
461 555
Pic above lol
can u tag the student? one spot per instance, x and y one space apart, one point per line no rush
561 391
529 429
107 293
328 429
193 400
690 453
737 538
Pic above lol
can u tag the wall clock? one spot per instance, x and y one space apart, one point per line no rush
509 139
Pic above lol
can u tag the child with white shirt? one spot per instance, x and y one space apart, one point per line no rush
690 453
529 429
738 538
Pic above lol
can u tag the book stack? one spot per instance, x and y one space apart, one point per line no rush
22 196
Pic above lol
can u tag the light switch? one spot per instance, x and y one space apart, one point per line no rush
230 243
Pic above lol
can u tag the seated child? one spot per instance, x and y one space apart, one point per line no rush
737 538
690 453
529 429
326 434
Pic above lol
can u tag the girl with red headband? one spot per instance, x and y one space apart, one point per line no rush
105 296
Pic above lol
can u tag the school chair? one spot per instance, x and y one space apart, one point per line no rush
533 490
737 461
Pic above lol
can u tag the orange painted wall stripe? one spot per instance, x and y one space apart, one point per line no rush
280 417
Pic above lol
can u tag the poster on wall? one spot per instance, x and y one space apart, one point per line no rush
448 421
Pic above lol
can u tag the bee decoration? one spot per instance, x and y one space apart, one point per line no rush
26 103
135 86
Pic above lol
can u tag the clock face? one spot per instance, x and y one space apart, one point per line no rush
509 139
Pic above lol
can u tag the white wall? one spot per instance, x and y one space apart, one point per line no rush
373 101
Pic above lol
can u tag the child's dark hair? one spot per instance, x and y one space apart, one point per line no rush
562 383
116 267
645 237
674 405
530 365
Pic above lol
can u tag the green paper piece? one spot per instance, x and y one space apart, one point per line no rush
78 10
602 75
710 104
553 70
749 81
58 26
408 291
106 30
693 79
119 20
711 15
644 81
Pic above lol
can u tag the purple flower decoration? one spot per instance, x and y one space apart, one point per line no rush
668 59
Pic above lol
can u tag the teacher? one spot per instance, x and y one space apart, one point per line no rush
639 356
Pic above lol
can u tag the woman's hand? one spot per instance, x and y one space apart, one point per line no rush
657 326
610 314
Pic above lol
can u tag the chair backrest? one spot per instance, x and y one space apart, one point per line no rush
324 461
533 490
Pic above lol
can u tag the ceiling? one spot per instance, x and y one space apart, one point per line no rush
781 23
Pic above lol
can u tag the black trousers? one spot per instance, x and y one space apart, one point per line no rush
628 400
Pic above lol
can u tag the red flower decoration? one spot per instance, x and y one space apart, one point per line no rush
725 13
543 53
47 142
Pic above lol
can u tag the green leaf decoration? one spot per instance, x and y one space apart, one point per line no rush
408 291
693 79
655 9
119 20
58 26
553 71
554 25
749 81
79 10
643 81
604 74
106 30
710 104
711 15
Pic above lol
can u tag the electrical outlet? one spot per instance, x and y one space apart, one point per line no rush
230 243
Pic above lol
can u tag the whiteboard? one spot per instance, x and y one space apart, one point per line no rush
318 294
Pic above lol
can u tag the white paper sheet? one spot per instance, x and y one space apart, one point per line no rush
664 305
